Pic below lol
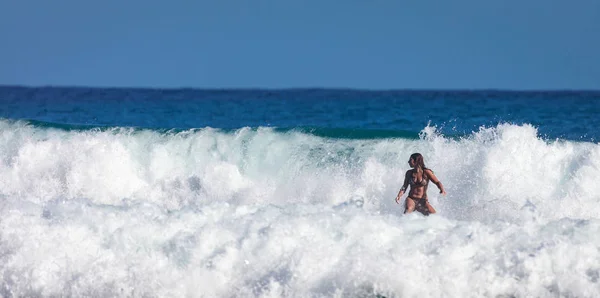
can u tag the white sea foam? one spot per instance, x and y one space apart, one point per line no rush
257 213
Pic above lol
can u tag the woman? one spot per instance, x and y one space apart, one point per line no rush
418 178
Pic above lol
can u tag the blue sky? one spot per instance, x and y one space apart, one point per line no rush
461 44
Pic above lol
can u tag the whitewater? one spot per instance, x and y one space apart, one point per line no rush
258 212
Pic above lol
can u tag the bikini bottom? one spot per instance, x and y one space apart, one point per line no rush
421 205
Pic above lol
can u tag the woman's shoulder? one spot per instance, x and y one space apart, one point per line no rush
428 171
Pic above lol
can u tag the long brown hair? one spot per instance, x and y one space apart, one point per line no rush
419 166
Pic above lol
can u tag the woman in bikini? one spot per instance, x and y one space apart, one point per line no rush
418 178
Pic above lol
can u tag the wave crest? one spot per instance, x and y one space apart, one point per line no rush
496 170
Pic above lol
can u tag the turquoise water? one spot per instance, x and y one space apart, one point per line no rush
290 193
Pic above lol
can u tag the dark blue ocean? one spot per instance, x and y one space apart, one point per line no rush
290 193
569 115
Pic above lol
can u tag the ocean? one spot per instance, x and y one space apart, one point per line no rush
115 192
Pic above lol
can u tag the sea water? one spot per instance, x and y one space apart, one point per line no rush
290 193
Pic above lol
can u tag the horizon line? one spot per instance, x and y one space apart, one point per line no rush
307 88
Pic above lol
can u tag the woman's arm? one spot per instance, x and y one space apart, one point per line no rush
436 181
403 189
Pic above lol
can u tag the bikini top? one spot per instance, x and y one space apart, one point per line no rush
412 181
